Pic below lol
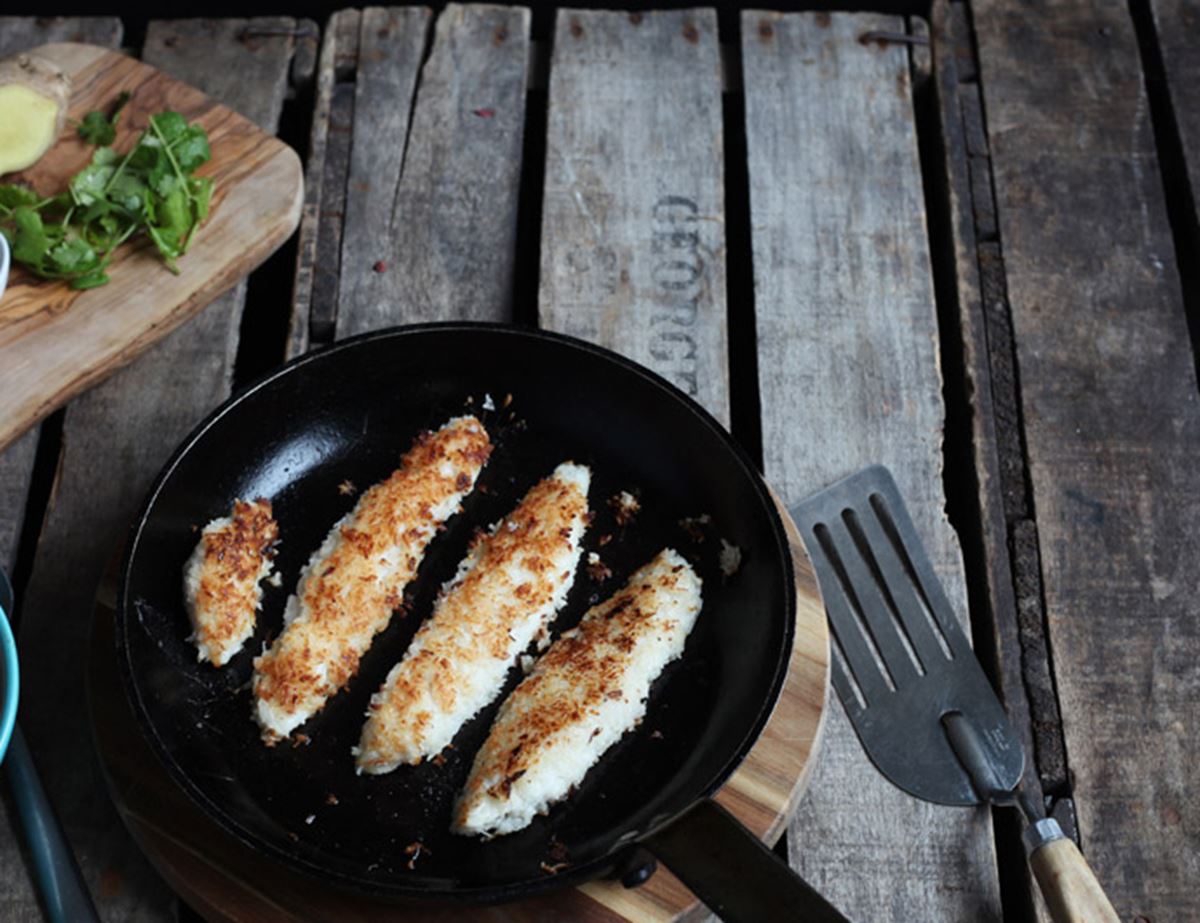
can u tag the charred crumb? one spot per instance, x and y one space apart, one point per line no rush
656 734
331 799
625 507
300 740
695 526
414 850
346 488
552 868
596 569
558 850
507 400
439 759
293 837
604 539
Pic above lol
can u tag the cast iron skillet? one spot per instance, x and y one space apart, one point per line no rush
315 433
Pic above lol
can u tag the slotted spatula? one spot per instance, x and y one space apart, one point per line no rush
911 685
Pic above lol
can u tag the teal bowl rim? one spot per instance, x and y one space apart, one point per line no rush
12 683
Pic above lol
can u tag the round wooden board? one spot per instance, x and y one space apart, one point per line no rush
224 880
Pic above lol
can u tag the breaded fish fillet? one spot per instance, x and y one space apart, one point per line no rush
582 696
221 579
349 588
506 592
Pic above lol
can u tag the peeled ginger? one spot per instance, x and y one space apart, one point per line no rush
33 106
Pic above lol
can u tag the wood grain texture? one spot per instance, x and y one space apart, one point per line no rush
391 42
18 900
115 438
55 342
848 373
339 58
1112 430
633 216
449 245
1069 886
226 881
309 235
995 422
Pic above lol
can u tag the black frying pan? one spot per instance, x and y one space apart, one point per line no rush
345 414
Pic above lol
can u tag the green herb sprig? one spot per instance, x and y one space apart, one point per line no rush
151 189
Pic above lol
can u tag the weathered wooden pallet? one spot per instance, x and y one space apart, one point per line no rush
1058 305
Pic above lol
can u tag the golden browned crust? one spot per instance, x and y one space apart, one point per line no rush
511 577
227 593
345 602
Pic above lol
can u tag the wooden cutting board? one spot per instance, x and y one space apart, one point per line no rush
55 342
227 882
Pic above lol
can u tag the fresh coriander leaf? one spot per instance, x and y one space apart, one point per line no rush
97 129
105 155
129 192
170 125
191 149
73 255
30 242
173 216
89 184
166 184
14 196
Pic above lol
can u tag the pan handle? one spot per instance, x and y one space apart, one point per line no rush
729 868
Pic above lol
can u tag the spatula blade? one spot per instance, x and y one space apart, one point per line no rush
903 668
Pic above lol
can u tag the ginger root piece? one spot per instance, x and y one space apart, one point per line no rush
33 106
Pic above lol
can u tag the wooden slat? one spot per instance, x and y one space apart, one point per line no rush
115 438
437 234
308 237
314 314
18 901
1177 23
633 220
1112 430
391 42
1012 608
848 370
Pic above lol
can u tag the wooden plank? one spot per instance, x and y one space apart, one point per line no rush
1014 618
391 42
1112 430
848 373
18 901
633 218
439 238
1177 23
115 438
319 250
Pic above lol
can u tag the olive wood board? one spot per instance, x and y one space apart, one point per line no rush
54 341
225 881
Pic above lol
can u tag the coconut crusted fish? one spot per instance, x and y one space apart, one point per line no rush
221 579
348 590
584 693
506 592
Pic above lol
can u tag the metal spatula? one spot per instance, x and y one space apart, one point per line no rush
911 685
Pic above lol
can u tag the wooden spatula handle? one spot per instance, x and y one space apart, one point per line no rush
1070 887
